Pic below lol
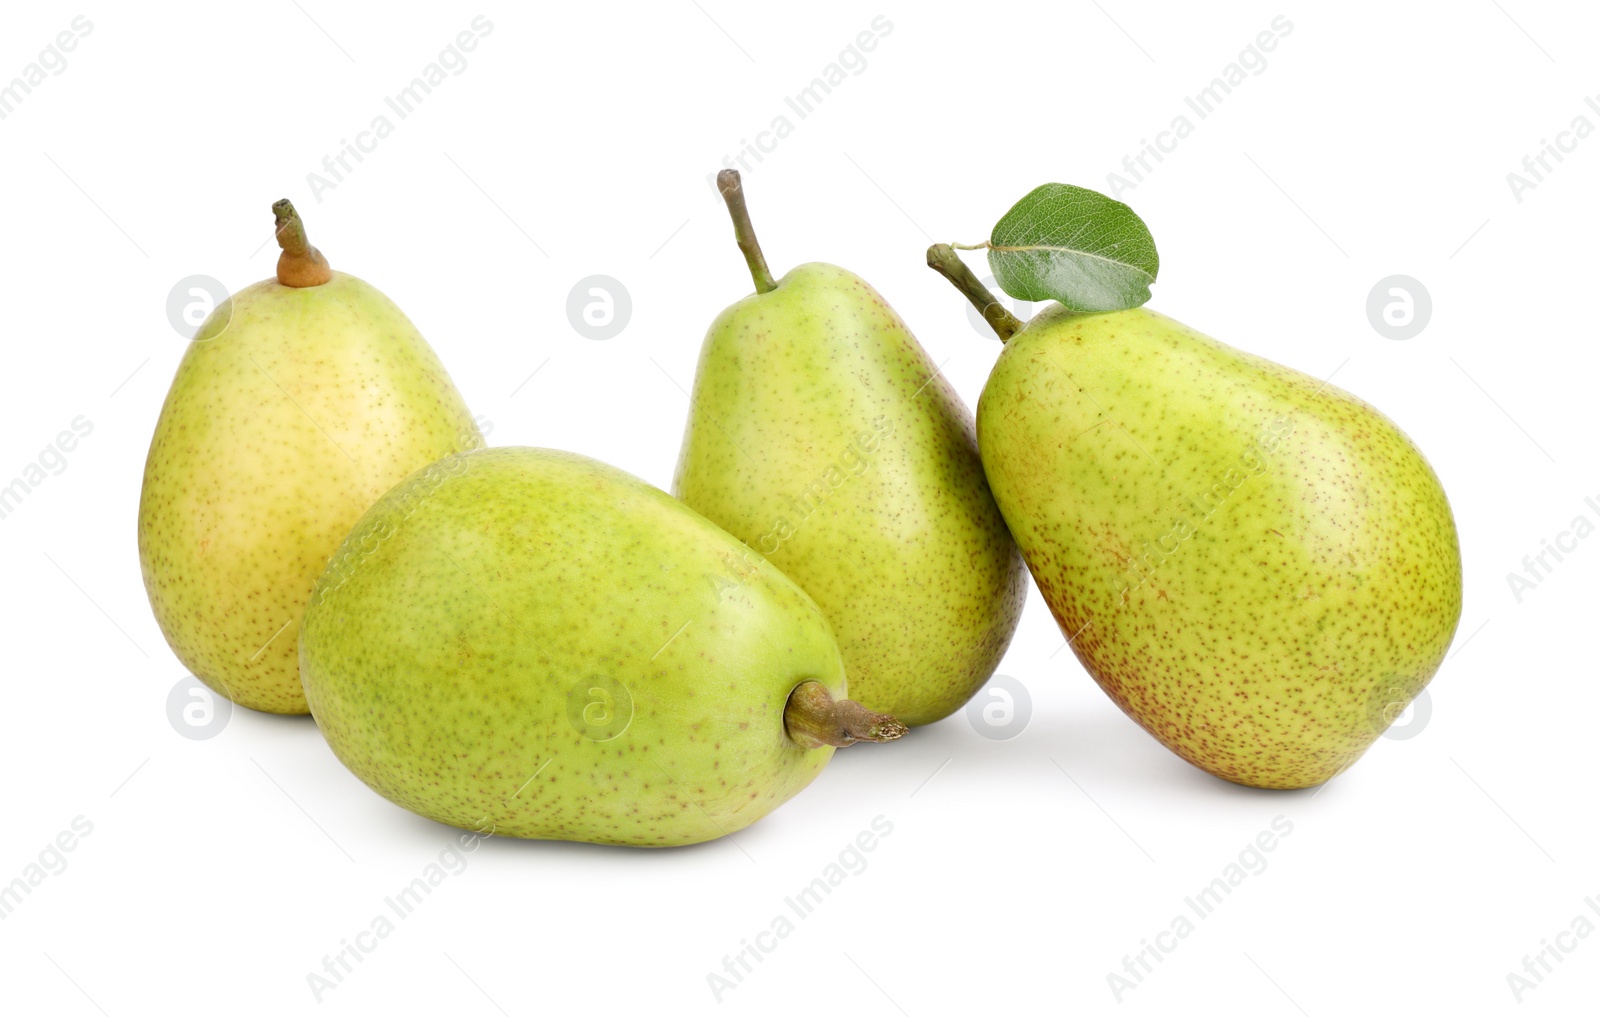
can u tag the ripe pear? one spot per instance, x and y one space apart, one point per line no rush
535 644
822 435
1256 566
299 402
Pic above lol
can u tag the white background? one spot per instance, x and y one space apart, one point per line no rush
577 141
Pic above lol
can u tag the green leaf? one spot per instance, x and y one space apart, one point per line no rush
1074 245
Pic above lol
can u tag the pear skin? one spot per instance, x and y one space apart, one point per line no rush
1258 568
530 643
294 408
822 435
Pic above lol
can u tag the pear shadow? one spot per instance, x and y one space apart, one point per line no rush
275 724
423 830
272 718
1103 743
1099 746
1125 756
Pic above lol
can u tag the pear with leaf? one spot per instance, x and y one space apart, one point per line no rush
1259 568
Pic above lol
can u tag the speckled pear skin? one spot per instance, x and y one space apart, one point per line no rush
1257 567
292 411
451 647
822 435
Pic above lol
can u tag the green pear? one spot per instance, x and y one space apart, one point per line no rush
1259 568
531 643
822 435
301 400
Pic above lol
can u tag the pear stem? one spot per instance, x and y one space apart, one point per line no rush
733 193
943 259
300 265
813 718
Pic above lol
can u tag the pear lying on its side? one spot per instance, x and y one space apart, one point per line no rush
531 643
1257 567
300 401
822 434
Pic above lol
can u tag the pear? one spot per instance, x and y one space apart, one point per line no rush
531 643
1259 568
301 400
822 435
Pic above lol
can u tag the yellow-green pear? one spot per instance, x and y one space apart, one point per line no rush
300 401
822 435
1259 568
530 643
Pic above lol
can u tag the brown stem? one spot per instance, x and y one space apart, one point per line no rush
300 264
733 193
943 259
814 718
